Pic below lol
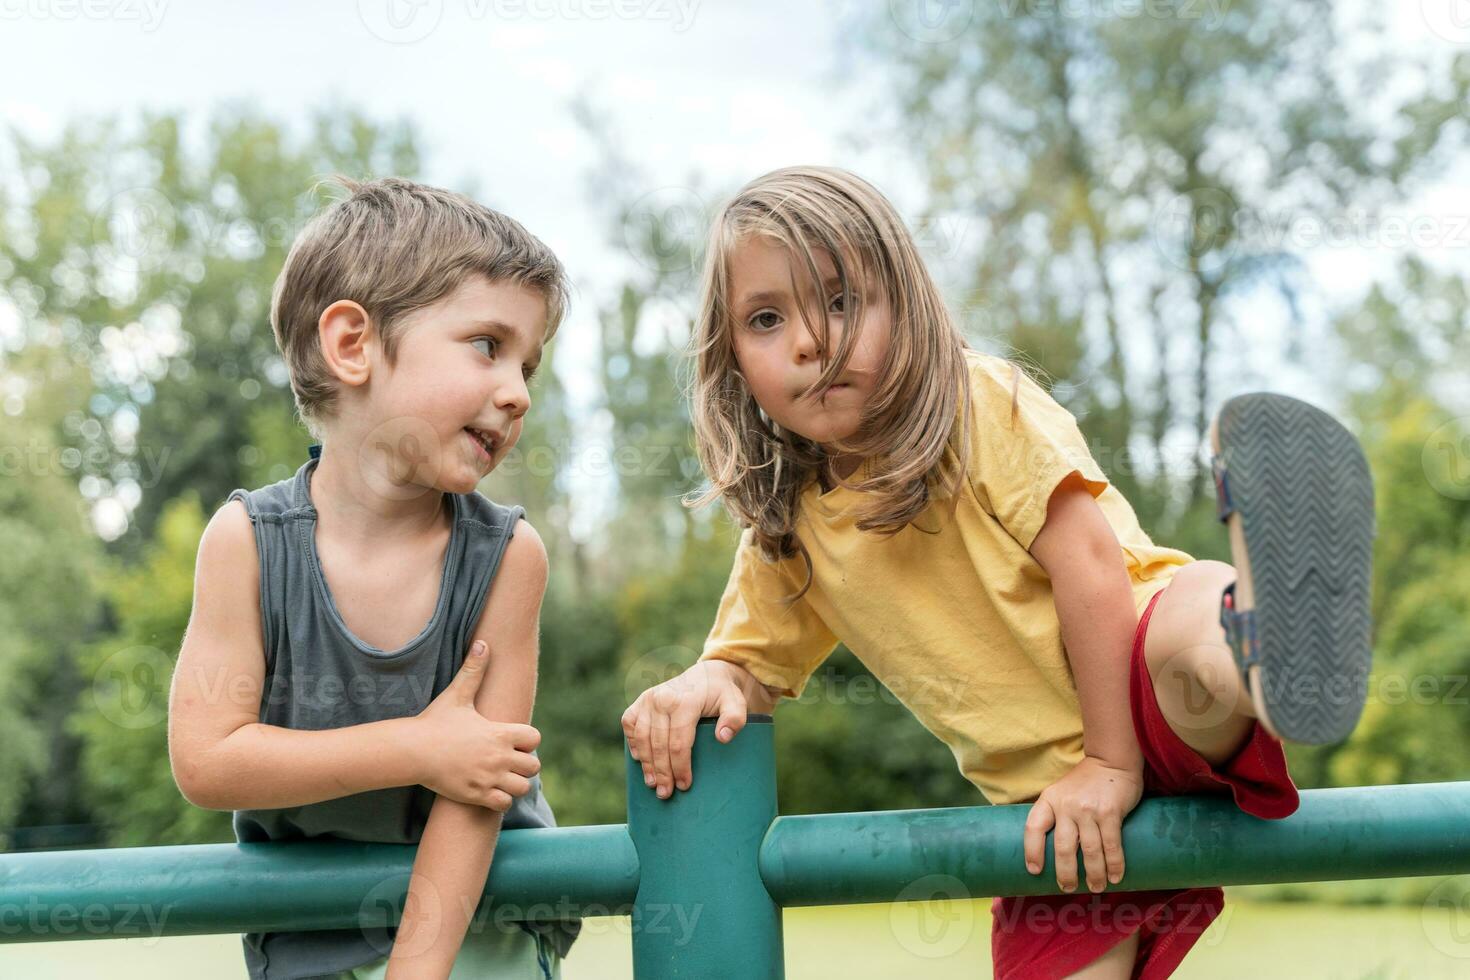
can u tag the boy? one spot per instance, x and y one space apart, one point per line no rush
323 688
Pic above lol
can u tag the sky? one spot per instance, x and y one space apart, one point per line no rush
712 89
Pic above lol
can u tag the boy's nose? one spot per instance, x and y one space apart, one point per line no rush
513 399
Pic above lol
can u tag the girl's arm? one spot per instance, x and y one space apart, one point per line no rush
453 859
1094 600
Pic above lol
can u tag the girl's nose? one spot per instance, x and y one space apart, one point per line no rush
806 346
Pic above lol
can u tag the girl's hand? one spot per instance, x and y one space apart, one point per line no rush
1086 806
660 724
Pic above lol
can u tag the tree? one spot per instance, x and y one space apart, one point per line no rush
1130 178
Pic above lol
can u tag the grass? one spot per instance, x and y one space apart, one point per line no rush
1262 940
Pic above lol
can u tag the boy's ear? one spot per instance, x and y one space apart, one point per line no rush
345 331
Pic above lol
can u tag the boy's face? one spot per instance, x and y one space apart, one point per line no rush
778 354
452 404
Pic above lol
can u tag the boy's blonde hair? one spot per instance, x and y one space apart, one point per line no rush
760 469
395 246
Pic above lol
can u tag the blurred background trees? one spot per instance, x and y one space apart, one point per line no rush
1113 200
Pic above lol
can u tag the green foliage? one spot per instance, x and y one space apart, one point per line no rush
50 610
121 716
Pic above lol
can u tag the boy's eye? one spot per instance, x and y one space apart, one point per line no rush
489 342
765 320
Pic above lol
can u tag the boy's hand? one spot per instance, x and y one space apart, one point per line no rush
660 724
467 757
1087 807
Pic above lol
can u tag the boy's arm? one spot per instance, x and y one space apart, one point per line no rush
453 859
222 757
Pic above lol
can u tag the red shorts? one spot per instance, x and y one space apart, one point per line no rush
1047 936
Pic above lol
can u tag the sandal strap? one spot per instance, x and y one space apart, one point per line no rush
1240 633
1224 505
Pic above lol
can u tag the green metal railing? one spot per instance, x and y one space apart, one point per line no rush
706 873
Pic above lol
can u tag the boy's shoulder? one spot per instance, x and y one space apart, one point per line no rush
273 500
506 542
479 509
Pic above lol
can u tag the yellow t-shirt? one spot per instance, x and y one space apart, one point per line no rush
960 624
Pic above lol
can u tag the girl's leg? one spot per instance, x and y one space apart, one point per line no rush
1198 686
1116 964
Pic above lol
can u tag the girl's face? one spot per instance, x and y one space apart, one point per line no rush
780 357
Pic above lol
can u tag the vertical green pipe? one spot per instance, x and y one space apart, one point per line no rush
702 910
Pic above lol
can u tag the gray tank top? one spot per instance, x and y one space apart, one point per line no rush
318 675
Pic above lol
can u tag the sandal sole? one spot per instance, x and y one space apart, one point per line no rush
1303 493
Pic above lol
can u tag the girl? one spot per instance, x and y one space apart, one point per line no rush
935 510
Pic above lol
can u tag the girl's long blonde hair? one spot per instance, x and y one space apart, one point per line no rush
758 468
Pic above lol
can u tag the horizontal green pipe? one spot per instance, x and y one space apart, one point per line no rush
1168 842
221 888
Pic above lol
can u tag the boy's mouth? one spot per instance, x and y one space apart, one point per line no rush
488 442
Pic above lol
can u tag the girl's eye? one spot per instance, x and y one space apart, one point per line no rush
765 320
489 342
836 304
